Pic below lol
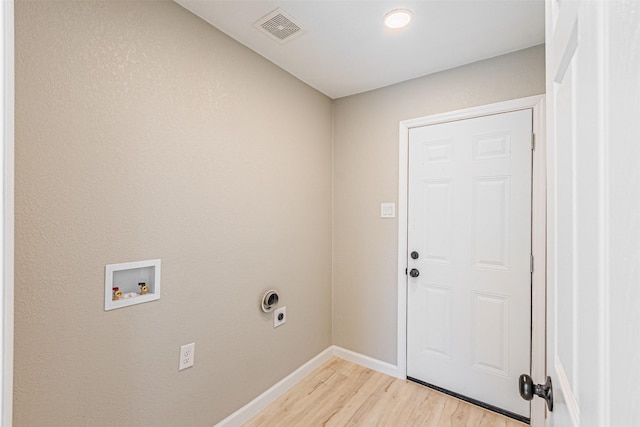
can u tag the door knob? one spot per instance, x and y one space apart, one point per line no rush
415 255
414 272
528 389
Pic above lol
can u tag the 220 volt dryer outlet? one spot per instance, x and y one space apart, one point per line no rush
279 317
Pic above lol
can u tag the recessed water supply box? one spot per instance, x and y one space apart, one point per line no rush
131 283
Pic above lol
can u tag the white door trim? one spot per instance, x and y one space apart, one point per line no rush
538 228
6 231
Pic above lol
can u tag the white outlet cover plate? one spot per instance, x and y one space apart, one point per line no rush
187 356
277 312
387 210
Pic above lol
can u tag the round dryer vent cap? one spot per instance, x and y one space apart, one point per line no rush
270 300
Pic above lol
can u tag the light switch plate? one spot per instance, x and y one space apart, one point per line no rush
387 210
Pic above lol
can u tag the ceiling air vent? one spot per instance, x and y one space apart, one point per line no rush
279 26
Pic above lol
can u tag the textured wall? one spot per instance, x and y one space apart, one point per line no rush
366 174
142 132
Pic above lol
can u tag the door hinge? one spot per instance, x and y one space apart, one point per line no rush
533 141
531 263
406 271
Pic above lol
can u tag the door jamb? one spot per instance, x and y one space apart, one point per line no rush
7 222
538 231
6 225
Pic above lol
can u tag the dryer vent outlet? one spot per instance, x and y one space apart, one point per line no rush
270 301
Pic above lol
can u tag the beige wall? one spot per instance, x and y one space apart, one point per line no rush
142 132
366 174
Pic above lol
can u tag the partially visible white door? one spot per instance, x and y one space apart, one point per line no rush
563 323
469 237
593 93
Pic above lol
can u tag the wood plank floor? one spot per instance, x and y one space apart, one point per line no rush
340 393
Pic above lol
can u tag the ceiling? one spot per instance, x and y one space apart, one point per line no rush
345 49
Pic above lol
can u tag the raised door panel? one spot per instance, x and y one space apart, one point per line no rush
490 210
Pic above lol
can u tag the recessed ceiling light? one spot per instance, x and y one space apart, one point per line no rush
397 18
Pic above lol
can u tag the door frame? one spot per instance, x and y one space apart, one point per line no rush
538 231
7 197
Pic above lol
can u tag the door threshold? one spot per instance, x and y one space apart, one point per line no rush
473 401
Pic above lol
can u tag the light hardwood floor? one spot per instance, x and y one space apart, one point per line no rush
340 393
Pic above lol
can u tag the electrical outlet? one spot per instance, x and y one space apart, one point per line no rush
280 317
187 354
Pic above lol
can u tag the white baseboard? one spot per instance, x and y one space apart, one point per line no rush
245 413
366 361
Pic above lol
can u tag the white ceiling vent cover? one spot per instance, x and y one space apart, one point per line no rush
279 26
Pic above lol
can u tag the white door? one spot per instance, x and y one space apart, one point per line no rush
469 309
593 93
563 324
